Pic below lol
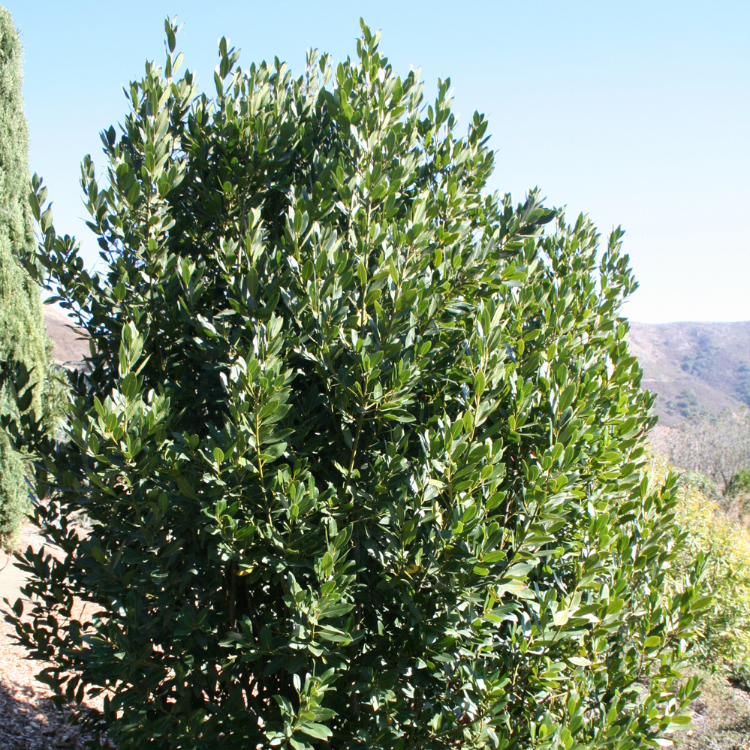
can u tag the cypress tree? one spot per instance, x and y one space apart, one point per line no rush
22 331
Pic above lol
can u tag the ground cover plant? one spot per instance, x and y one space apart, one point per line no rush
361 446
721 715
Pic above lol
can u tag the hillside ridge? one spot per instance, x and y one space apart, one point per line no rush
694 367
69 345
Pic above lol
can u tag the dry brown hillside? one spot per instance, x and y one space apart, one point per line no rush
694 367
69 347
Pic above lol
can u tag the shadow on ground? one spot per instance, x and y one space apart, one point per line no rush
30 723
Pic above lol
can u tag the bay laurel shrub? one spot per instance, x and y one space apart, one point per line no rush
361 445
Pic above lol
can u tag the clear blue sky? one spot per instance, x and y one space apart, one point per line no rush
637 113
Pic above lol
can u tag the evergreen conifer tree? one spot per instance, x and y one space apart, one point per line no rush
22 331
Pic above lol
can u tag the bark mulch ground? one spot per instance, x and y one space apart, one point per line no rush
29 720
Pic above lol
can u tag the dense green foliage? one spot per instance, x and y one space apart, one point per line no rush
22 333
362 447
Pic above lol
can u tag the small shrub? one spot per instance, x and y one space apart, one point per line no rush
362 447
724 628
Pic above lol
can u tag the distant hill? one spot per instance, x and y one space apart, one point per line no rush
69 347
694 367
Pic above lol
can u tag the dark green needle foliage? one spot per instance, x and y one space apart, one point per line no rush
362 446
23 338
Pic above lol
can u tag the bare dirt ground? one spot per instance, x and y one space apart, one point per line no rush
28 718
721 717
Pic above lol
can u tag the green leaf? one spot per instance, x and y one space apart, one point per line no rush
185 487
469 514
579 661
479 384
521 569
272 452
681 720
398 415
313 729
511 586
492 557
566 398
268 409
495 500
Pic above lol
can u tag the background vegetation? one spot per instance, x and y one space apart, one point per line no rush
724 641
713 453
722 649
